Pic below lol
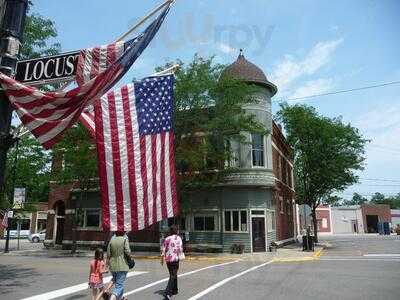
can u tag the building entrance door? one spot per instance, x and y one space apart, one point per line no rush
354 226
258 233
60 231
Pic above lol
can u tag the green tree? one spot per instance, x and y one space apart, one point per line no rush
208 116
38 37
327 153
357 199
393 201
28 166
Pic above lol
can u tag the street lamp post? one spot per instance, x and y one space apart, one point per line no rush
13 13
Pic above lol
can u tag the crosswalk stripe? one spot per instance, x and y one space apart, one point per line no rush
180 275
74 289
222 282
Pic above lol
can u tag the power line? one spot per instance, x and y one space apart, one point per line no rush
380 179
342 91
394 185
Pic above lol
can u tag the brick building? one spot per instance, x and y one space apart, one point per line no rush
252 207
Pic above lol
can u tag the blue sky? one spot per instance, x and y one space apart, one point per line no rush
305 47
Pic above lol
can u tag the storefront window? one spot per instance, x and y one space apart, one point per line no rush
92 218
88 218
235 220
204 223
271 221
228 223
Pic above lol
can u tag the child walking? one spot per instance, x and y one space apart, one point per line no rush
97 268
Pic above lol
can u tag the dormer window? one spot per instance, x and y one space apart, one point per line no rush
257 151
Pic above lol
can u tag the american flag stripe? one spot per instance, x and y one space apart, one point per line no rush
93 61
129 131
87 119
135 169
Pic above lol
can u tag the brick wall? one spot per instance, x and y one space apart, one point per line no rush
323 213
283 190
381 210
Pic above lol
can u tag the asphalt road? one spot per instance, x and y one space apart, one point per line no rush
363 267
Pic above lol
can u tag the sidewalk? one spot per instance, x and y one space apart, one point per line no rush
289 253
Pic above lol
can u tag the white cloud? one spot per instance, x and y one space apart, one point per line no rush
379 118
313 87
225 48
290 69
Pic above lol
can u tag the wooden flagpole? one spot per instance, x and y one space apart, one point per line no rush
168 2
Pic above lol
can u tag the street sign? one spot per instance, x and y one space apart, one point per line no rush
10 214
49 69
19 197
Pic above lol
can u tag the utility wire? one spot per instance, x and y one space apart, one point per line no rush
379 179
341 91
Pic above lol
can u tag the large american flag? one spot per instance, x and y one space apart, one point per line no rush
135 151
48 114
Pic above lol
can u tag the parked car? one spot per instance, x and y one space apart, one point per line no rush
37 237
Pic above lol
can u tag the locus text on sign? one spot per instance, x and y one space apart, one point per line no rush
48 69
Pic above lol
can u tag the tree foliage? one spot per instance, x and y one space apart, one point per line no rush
39 37
208 116
357 199
75 158
30 165
327 154
393 201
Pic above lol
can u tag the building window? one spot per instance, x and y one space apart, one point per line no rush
271 221
180 222
257 212
279 168
257 150
41 221
204 223
88 218
281 204
235 220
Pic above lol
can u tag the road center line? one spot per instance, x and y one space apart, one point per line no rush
180 275
73 289
222 282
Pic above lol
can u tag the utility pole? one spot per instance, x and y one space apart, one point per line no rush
13 13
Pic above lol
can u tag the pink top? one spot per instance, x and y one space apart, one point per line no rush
172 247
96 271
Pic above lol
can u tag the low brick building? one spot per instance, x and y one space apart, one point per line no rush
372 214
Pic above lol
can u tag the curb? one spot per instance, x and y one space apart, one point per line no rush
316 256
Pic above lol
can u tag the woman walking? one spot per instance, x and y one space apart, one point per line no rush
117 249
172 253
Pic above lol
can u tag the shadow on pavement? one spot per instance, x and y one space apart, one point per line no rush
12 277
78 296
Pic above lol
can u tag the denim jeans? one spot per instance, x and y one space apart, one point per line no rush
172 286
119 281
